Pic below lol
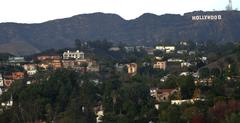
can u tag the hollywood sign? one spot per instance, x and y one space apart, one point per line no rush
206 17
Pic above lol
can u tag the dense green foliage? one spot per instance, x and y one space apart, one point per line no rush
68 96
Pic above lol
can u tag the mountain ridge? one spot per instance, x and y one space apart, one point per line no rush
145 29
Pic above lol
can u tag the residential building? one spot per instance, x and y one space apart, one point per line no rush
1 81
204 59
48 57
129 49
8 103
16 59
185 64
93 66
114 49
164 78
17 75
160 65
68 63
192 53
175 60
85 65
159 58
149 50
139 48
162 94
205 81
185 74
196 75
184 43
132 69
186 101
43 65
182 51
100 115
119 67
73 55
31 69
166 49
7 82
56 64
99 112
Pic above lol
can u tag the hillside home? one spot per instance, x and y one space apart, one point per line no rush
48 57
114 49
43 65
166 49
31 69
149 50
185 73
129 49
8 82
16 60
160 65
186 101
17 75
185 64
119 67
183 43
132 69
164 78
181 51
8 103
93 66
175 60
192 53
161 95
73 55
1 81
56 64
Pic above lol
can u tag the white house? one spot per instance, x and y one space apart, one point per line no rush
188 101
114 49
170 49
160 65
184 43
162 48
129 49
185 64
30 69
1 81
73 55
175 60
185 74
8 103
166 49
16 59
181 51
191 53
1 91
99 118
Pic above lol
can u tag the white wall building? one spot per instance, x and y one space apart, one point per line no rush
160 65
185 64
175 60
187 101
1 81
16 59
31 69
167 49
73 55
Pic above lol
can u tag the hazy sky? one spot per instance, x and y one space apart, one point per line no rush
35 11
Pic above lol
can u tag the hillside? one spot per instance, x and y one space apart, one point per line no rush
146 29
